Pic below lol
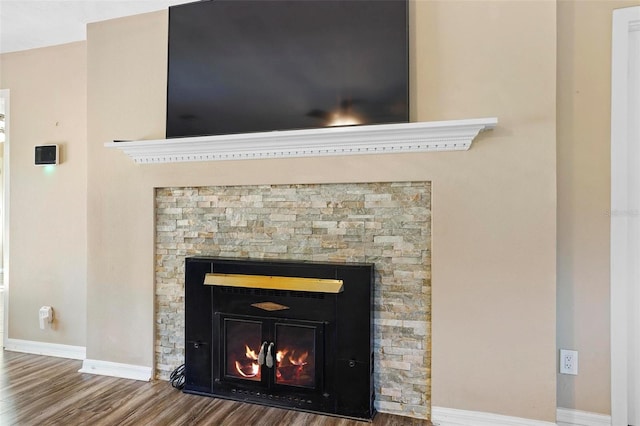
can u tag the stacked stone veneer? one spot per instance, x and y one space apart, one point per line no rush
388 224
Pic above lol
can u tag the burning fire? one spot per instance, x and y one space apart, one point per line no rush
291 366
292 359
249 368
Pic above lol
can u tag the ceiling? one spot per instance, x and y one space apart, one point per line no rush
28 24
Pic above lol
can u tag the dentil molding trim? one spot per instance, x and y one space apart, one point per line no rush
453 135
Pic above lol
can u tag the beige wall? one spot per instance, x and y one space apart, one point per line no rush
494 229
584 102
47 207
493 268
494 207
463 66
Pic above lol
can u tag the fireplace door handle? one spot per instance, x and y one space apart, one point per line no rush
269 360
261 354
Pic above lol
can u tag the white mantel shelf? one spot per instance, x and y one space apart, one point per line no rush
454 135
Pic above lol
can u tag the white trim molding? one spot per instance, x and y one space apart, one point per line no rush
624 214
568 417
453 135
4 214
115 369
441 416
48 349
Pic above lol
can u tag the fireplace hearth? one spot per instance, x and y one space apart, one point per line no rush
289 334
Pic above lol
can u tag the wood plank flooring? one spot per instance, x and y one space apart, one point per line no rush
40 390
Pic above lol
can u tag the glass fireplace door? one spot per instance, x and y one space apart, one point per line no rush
277 354
242 345
296 354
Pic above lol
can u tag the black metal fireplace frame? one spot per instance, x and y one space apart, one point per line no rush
346 382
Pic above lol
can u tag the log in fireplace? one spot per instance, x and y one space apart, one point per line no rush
289 334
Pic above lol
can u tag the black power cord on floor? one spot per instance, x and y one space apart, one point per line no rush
177 377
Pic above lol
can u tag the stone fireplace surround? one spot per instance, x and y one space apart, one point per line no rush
388 224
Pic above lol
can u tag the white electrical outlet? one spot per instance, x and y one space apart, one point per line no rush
568 362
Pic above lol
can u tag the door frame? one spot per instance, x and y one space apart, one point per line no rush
4 94
624 216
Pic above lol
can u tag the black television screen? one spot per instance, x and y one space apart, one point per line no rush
238 66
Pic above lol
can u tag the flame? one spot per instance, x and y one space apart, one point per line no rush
292 359
288 357
250 353
301 360
248 370
291 366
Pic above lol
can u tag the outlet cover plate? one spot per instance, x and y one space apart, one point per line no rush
568 362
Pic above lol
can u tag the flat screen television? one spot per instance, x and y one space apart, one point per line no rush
239 66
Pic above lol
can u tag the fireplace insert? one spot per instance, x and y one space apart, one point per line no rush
289 334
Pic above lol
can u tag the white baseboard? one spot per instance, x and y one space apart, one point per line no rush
451 417
48 349
568 417
115 369
565 417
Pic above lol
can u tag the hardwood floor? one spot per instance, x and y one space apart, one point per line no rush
40 390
